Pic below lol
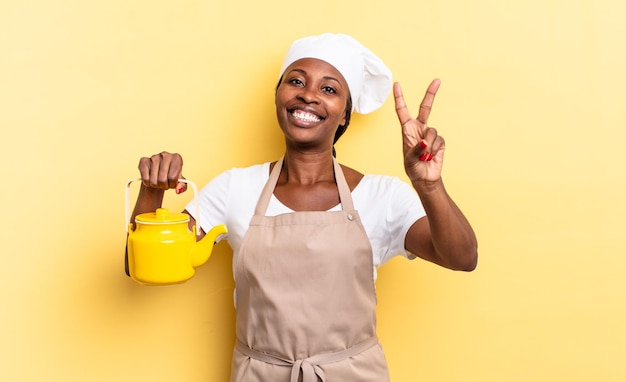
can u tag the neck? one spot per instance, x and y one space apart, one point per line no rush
307 168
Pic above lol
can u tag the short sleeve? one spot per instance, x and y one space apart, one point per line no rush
213 202
388 208
230 199
404 209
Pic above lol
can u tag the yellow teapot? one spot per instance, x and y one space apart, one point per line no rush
161 249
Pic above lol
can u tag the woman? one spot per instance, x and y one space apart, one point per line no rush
308 233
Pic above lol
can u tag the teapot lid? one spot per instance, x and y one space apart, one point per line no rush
162 216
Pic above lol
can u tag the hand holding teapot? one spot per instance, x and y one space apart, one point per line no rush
161 249
162 171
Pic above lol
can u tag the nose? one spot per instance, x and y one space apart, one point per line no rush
308 94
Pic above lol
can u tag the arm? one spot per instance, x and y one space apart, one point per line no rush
160 172
444 236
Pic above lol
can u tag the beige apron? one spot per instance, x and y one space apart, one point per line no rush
306 303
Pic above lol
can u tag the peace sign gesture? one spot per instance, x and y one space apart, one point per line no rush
422 147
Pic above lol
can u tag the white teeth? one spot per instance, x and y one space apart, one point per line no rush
306 117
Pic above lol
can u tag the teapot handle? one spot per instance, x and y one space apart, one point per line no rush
195 199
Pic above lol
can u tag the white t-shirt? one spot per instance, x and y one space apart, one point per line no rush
387 207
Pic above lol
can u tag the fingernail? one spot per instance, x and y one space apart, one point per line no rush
423 144
179 190
424 157
430 156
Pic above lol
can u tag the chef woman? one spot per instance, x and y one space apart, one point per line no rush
308 233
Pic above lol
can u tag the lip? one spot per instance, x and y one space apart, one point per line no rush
316 117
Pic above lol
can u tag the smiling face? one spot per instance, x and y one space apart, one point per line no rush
311 102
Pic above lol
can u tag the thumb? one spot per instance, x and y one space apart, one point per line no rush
181 187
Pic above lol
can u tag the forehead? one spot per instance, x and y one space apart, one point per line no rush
317 67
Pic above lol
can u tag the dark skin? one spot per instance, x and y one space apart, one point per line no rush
444 236
307 179
310 103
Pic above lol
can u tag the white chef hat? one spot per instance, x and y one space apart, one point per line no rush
368 78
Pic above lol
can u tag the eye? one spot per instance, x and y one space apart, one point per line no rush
329 90
296 81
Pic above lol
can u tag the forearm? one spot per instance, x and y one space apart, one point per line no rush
162 171
148 200
454 243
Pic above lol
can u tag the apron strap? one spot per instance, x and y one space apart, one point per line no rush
345 196
268 190
308 367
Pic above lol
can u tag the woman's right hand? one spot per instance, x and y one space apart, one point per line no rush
162 171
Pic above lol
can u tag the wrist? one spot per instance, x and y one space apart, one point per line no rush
149 199
425 187
151 192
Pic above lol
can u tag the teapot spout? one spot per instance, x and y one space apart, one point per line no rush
203 248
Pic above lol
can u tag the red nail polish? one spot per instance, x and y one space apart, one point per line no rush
424 157
430 156
179 190
423 144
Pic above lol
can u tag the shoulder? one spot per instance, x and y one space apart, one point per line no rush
256 169
384 186
376 185
237 179
254 173
385 195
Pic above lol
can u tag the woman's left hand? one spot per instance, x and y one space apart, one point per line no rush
422 147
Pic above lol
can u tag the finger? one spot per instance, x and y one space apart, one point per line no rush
411 133
181 187
169 171
427 102
402 110
437 148
430 135
176 169
428 144
155 165
144 170
439 144
168 175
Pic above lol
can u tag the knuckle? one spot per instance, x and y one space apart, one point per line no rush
426 106
156 158
143 162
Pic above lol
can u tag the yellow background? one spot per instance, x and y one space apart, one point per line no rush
531 106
